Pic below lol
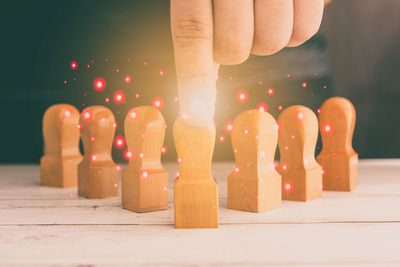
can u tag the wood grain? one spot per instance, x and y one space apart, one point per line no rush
254 185
301 174
61 146
97 173
338 158
144 181
195 190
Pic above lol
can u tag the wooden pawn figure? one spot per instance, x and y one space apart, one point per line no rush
254 185
301 174
195 190
97 173
58 166
144 181
338 159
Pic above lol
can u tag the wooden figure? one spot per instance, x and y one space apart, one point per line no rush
97 173
195 190
301 174
58 166
144 181
338 158
254 184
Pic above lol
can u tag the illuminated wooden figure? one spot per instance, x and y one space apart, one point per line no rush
58 166
254 184
97 173
301 174
195 190
338 158
144 181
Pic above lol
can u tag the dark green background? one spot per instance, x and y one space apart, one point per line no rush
40 38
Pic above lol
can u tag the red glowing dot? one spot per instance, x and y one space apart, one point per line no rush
141 155
144 174
228 127
161 73
118 167
236 169
93 157
323 171
164 150
99 84
246 131
107 99
324 86
73 65
116 185
67 113
86 115
304 85
177 174
65 82
115 125
88 66
158 103
288 186
319 111
137 95
293 136
119 97
79 126
286 148
242 96
133 115
165 188
222 138
280 107
270 91
262 107
128 154
300 115
92 138
127 79
119 142
284 167
179 160
327 128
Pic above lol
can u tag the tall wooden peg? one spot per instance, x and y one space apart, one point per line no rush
195 190
144 181
97 173
58 166
338 158
254 184
301 174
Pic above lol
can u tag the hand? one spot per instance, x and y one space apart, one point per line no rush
207 33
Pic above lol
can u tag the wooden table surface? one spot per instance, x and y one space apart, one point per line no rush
41 225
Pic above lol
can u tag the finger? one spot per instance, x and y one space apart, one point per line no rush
233 30
273 26
307 19
192 32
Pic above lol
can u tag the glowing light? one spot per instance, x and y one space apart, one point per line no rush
177 174
137 95
221 138
235 150
133 115
280 107
270 91
300 115
79 126
103 119
304 85
286 148
179 160
116 185
127 79
119 97
161 73
327 128
99 84
118 167
158 102
176 99
67 113
73 65
86 115
165 188
293 136
323 172
144 174
236 169
319 111
141 155
321 186
246 132
284 167
164 150
92 138
242 96
128 154
107 100
228 127
93 157
65 82
184 116
262 107
288 186
119 142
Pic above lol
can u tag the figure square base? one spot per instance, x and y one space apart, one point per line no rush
97 180
57 172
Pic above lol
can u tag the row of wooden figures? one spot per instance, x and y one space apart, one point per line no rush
255 185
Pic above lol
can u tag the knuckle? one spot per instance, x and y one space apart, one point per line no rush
187 29
230 51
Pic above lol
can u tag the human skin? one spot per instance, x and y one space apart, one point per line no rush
207 33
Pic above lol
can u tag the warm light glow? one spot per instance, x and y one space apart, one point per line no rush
127 79
86 115
141 155
184 116
304 85
327 128
144 174
99 84
221 138
158 102
165 188
236 169
293 136
73 65
177 174
128 154
67 113
288 186
242 96
118 167
107 100
228 127
92 138
93 157
246 132
262 107
119 142
280 107
137 95
179 160
319 111
115 125
119 97
161 73
79 126
323 172
164 150
284 167
300 115
270 91
116 185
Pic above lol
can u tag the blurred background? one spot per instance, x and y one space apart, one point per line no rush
355 55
